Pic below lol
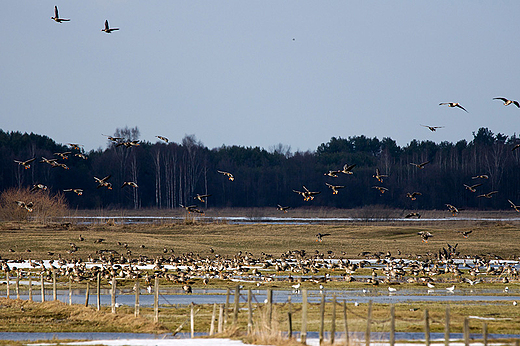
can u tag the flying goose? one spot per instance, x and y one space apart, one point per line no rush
472 188
379 176
348 169
163 138
80 155
129 183
63 155
334 188
25 164
380 189
281 208
57 18
515 147
452 209
113 139
38 187
78 192
507 102
229 175
128 144
108 29
488 195
465 233
413 214
425 235
52 162
103 182
433 128
481 176
420 165
75 146
319 236
333 174
515 207
413 195
453 104
201 197
189 208
307 195
26 206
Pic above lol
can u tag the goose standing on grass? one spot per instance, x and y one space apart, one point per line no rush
507 102
229 175
26 164
515 207
335 188
453 104
108 29
57 18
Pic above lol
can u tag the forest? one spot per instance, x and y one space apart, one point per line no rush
169 174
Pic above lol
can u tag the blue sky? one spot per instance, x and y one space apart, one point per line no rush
259 73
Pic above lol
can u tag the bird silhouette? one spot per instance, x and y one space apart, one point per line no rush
108 29
433 128
57 18
453 104
229 175
420 165
507 102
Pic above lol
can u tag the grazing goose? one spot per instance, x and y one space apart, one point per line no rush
129 183
108 29
452 209
281 208
201 197
335 188
103 182
380 189
433 128
319 236
488 195
348 169
163 138
515 207
472 188
413 195
420 165
379 176
507 102
425 235
465 233
229 175
25 164
57 18
453 104
413 214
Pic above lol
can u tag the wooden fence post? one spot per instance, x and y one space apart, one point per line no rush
220 318
87 294
269 307
7 281
303 335
289 317
54 290
485 333
426 327
156 301
369 321
212 325
333 321
466 331
98 291
30 287
392 325
249 312
17 287
192 320
322 317
345 322
237 306
113 295
137 292
447 327
42 287
226 307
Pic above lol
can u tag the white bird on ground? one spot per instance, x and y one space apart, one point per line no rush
430 285
515 303
450 289
296 287
391 289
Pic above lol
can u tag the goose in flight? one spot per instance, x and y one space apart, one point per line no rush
52 162
413 195
465 233
80 155
488 195
103 182
452 209
319 236
38 187
63 155
78 192
472 188
201 197
380 189
129 183
307 195
281 208
26 164
515 207
481 176
348 169
108 29
433 128
27 206
75 146
128 144
379 176
507 102
189 208
334 188
163 138
114 139
425 235
229 175
413 214
57 18
333 174
420 165
515 147
453 104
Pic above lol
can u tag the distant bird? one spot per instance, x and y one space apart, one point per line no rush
57 18
380 189
425 235
488 195
25 164
450 289
413 195
335 188
114 139
515 147
62 165
319 236
201 197
99 241
108 29
481 176
189 208
163 138
433 128
379 176
420 165
281 208
392 289
27 206
430 285
75 146
348 169
128 144
465 234
452 209
307 194
63 155
507 102
80 155
515 207
52 162
129 183
333 174
452 104
413 214
104 182
229 175
472 188
38 187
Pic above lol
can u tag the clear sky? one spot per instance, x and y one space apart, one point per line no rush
259 73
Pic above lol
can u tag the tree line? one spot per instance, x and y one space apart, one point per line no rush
169 174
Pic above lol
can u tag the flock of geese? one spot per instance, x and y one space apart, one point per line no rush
57 19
